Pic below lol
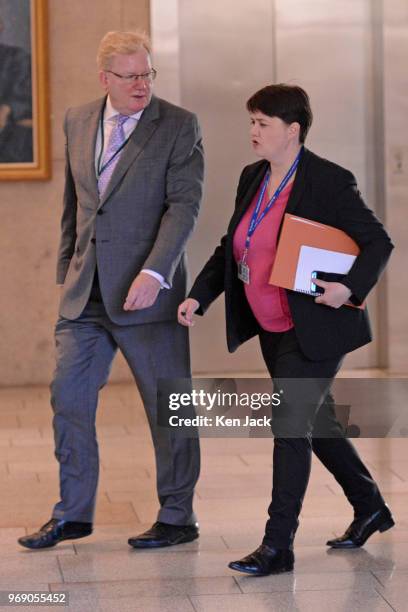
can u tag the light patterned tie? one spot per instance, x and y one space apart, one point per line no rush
109 161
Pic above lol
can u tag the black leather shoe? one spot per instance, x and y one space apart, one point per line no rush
265 560
56 530
362 528
163 534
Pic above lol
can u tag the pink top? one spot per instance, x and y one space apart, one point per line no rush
268 302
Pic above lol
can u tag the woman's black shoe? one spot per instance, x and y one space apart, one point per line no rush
265 560
362 528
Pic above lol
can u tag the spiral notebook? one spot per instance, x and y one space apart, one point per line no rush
312 259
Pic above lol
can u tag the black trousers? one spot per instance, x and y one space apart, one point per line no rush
305 422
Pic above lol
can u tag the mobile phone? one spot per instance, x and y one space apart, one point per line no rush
314 288
330 277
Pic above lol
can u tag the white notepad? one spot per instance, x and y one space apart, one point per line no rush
312 259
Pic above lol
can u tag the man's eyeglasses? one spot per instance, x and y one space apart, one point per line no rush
146 77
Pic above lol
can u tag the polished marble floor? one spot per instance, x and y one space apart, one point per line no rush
102 573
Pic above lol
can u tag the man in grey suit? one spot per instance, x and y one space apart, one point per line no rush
133 187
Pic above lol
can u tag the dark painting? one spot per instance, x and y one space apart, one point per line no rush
24 116
16 114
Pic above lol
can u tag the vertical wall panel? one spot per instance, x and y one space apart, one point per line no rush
396 152
325 46
225 55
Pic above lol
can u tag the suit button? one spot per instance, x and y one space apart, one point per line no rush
93 240
100 212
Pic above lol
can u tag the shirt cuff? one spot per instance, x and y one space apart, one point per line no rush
158 277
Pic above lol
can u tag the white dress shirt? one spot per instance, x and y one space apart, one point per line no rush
109 119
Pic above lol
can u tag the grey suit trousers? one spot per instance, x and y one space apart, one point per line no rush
86 347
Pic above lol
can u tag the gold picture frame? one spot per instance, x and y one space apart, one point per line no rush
24 121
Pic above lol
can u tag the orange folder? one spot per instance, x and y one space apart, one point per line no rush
297 232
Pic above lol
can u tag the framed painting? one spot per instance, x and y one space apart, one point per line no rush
24 114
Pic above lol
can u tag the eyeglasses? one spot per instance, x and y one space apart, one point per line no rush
147 77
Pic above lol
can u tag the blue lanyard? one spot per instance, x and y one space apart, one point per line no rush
255 220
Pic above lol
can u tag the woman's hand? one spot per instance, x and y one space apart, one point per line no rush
186 310
335 294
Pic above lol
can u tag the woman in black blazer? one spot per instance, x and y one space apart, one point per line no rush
301 337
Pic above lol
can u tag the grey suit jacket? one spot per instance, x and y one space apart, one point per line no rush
144 219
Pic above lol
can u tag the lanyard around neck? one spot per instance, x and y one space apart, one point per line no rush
256 220
122 146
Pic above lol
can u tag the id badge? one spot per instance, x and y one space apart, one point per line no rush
243 272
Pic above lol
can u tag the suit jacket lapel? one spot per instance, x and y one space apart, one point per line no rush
299 183
90 131
140 136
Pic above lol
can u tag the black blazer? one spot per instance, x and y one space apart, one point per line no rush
323 192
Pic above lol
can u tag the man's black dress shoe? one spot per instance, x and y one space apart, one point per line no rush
163 534
265 560
56 530
362 528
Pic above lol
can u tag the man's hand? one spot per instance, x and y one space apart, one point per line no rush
335 294
5 111
143 292
186 310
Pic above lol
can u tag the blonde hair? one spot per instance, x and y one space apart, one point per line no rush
120 42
